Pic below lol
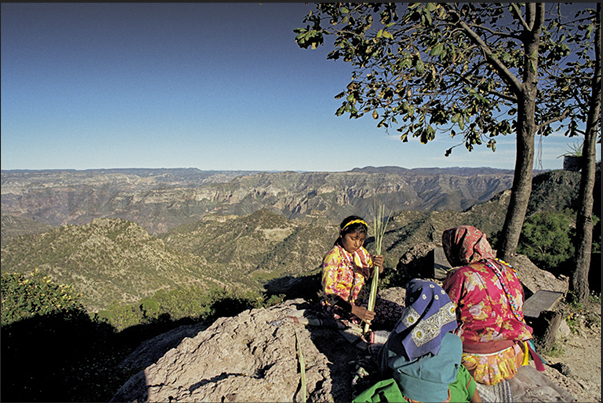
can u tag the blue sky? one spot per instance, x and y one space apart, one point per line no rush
214 86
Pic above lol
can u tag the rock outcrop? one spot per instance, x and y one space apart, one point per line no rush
535 279
250 357
253 357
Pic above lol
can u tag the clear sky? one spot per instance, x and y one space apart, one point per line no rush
214 86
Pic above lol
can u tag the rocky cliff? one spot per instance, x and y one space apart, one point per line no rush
162 199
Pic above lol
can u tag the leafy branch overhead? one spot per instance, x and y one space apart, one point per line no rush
457 68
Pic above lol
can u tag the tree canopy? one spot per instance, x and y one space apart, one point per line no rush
468 70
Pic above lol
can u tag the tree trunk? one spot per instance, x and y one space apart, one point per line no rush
526 132
578 287
522 182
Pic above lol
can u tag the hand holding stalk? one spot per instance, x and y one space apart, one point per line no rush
378 263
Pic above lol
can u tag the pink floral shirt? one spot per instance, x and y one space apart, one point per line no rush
344 274
486 312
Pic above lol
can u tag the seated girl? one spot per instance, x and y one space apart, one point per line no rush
346 268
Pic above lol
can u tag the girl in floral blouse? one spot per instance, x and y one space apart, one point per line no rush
489 300
346 268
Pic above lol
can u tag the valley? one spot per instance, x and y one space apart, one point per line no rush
160 200
256 228
146 261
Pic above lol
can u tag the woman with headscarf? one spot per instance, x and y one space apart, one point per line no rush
489 299
422 358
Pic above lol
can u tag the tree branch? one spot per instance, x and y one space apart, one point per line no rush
496 33
503 96
564 115
519 17
504 72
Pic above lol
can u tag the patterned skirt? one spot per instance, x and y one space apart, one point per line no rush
492 368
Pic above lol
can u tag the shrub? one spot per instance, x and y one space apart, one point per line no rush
51 348
546 239
27 295
194 303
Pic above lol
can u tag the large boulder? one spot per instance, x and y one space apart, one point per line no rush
153 349
250 357
254 357
535 279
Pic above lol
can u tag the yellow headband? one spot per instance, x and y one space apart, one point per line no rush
355 222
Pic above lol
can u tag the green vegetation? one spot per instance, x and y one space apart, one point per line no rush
115 258
581 315
13 226
546 239
28 295
573 150
378 233
54 350
556 350
302 367
194 303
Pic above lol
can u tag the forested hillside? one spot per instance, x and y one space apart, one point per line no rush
113 261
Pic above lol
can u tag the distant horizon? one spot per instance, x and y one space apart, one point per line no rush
259 170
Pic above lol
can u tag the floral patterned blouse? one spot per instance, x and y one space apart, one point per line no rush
486 312
344 274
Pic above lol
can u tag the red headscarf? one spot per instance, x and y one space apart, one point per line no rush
465 244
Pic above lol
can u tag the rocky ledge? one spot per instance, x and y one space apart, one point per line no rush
254 357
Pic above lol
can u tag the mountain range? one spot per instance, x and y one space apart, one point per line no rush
113 259
162 199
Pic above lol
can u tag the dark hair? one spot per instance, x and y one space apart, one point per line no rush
354 227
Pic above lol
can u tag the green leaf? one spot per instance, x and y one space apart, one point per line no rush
428 17
437 50
302 367
419 66
424 137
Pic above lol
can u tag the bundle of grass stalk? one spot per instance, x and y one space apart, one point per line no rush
302 368
378 216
